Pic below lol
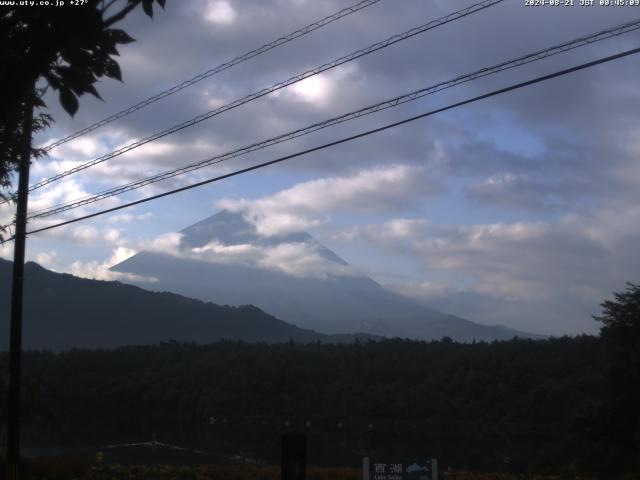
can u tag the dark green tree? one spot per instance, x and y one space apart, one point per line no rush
68 50
621 317
65 49
620 334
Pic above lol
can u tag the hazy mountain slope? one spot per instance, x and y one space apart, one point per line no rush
62 311
331 303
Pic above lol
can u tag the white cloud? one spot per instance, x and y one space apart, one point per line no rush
6 251
314 90
499 256
120 254
269 224
306 204
47 259
59 233
398 234
590 149
301 259
100 270
155 149
220 12
78 151
324 89
226 253
129 217
143 161
7 215
522 191
85 235
88 146
165 243
112 235
566 266
62 191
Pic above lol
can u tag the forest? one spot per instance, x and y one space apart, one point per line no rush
562 406
520 405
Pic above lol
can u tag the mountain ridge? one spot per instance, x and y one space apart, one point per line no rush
339 301
62 311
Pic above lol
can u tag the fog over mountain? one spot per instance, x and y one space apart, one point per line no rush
223 259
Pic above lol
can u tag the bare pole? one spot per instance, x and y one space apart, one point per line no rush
15 345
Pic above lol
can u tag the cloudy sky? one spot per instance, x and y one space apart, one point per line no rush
520 210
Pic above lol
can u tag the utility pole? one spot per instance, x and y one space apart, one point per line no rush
15 345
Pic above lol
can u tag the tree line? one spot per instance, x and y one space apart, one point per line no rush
559 405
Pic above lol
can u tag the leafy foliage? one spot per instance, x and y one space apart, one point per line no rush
621 317
10 145
68 48
619 416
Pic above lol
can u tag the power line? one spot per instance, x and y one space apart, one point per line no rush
348 139
265 91
523 60
209 73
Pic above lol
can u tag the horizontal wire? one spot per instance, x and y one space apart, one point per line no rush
346 139
523 60
235 61
265 91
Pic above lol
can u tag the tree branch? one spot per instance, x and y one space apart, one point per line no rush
121 14
107 6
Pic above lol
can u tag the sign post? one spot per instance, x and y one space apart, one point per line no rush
15 331
293 465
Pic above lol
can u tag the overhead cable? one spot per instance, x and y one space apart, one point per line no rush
209 73
393 102
344 140
265 91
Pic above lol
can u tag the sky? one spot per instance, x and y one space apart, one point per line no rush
520 210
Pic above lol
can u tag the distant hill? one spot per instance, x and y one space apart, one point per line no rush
340 300
62 312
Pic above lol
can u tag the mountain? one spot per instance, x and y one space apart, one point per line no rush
62 312
225 260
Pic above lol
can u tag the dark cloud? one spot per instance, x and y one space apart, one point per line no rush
566 147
